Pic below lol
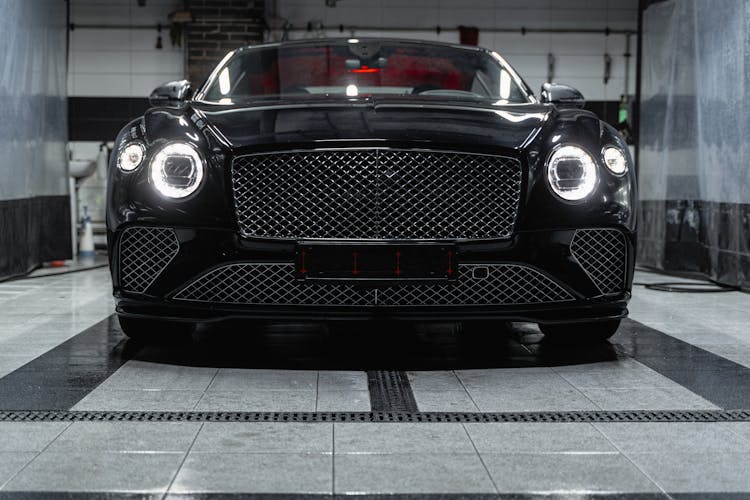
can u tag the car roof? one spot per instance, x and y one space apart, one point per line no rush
335 40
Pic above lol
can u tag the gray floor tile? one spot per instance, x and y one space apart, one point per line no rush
87 471
11 463
135 400
620 365
683 437
739 353
264 437
430 381
158 376
10 364
459 401
622 378
727 350
694 334
255 473
342 381
566 473
521 378
236 379
343 401
29 436
401 438
411 473
741 429
286 400
648 398
127 436
28 348
558 398
537 438
693 473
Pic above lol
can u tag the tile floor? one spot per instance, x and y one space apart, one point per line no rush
355 458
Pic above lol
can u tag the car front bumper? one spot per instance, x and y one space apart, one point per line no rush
206 275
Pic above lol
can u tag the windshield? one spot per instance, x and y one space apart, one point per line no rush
363 68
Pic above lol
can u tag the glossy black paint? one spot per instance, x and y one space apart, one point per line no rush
201 249
207 226
562 96
531 131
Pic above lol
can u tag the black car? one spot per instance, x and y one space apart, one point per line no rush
373 178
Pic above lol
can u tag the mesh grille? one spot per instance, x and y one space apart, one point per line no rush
144 253
376 194
603 256
268 284
503 284
275 284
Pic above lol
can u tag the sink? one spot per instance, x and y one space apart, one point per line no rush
81 168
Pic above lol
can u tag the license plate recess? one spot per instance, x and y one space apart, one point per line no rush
376 261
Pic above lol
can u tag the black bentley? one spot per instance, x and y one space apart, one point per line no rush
358 179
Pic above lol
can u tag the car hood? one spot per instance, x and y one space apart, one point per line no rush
395 121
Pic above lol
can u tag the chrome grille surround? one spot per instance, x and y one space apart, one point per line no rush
144 253
376 193
602 254
274 284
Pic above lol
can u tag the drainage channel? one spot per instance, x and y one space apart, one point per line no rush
365 417
390 391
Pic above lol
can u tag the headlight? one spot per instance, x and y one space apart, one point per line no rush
177 170
615 160
571 173
131 156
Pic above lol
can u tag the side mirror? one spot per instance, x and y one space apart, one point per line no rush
562 96
171 93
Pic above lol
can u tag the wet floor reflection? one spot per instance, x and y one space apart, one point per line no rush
369 346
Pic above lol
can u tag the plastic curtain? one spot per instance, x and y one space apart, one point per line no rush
694 175
33 91
34 203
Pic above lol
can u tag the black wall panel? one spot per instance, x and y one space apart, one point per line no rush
32 231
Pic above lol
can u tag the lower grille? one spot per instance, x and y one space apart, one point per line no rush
268 284
602 253
274 284
500 284
144 253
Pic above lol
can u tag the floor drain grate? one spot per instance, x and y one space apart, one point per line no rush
539 417
390 391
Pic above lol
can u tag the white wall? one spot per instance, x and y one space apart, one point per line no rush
579 57
124 63
121 62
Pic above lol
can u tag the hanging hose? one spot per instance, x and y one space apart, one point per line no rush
704 286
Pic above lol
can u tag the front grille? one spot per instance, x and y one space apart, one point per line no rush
478 284
602 253
376 194
144 253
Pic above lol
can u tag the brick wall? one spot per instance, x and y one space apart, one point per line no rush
220 26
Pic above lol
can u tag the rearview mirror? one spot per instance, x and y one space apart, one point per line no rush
171 93
562 96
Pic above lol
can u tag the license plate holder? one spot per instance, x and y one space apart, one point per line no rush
376 261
